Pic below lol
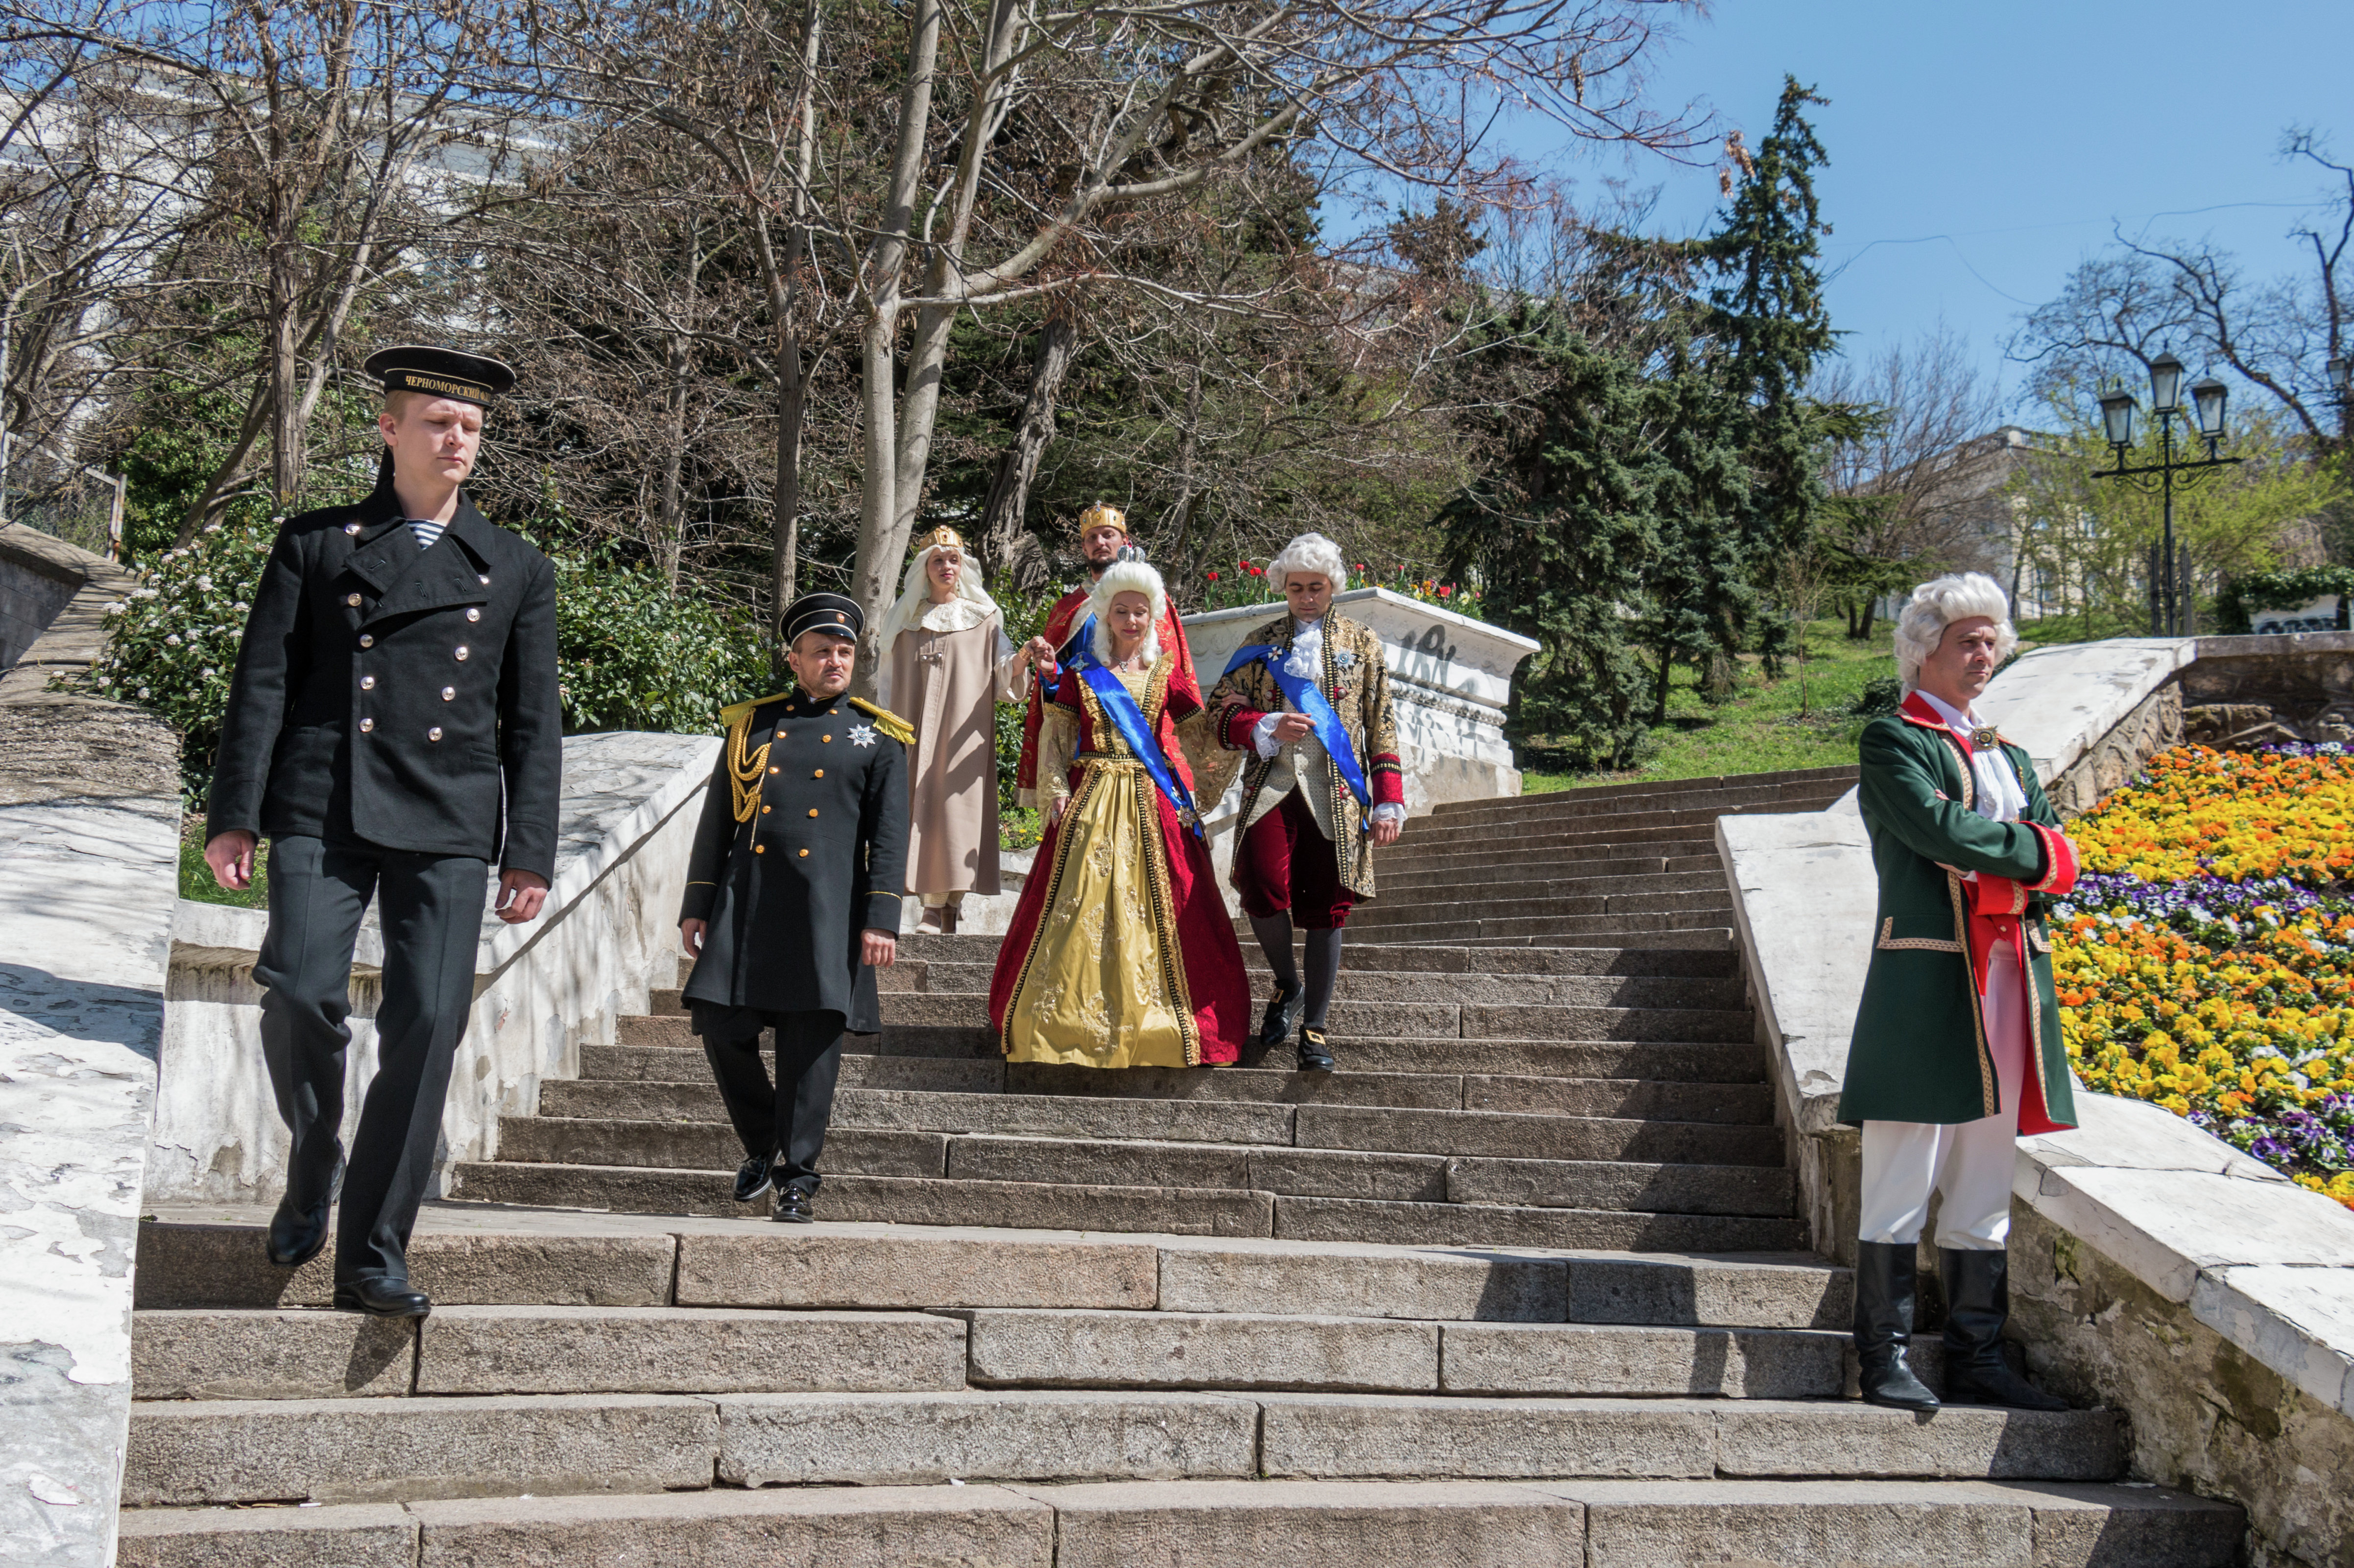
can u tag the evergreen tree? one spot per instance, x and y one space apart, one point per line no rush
1698 603
1563 528
1771 325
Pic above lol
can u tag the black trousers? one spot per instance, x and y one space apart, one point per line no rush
432 912
787 1118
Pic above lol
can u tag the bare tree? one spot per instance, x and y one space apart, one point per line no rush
1918 485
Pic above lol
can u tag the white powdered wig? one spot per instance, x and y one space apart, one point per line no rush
1937 604
1126 576
1313 553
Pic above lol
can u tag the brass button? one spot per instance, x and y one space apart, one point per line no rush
813 811
352 599
473 615
367 641
759 849
368 683
764 810
433 734
776 770
805 854
462 653
449 693
819 774
826 737
781 735
367 725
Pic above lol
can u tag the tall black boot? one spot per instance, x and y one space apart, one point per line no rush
1884 1280
1977 1304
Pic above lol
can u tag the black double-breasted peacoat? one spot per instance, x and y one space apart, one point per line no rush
394 695
802 847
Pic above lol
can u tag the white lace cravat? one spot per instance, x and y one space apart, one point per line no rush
2000 797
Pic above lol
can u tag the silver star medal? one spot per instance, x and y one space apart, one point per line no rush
862 734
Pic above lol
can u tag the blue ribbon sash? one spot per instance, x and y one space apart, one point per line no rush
1128 718
1303 695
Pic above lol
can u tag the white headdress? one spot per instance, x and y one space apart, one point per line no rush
916 593
1126 576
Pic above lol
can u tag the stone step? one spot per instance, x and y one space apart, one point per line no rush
1491 902
1049 1349
466 1253
471 1350
664 1073
1789 795
191 1452
1305 1524
1691 833
1696 929
1679 814
1369 956
1644 867
1389 986
712 1148
1443 1020
1681 1061
1214 1211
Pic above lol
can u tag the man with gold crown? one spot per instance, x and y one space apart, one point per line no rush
947 663
792 897
1103 535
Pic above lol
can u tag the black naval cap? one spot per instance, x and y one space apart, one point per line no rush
442 371
831 612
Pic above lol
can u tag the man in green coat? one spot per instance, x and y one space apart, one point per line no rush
1956 1048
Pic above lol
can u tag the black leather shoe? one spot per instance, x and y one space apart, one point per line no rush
1884 1286
1315 1055
1282 1017
1977 1304
382 1296
752 1178
793 1207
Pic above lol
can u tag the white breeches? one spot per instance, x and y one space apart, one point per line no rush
1968 1162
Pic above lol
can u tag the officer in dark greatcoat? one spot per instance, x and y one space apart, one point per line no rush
393 727
792 897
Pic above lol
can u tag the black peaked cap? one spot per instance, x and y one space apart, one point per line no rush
831 612
442 371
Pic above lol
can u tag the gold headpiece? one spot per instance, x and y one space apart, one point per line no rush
941 538
1103 514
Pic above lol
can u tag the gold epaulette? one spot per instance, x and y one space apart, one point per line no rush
735 713
887 721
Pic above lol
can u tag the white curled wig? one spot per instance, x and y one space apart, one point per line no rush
1313 553
1126 576
1937 604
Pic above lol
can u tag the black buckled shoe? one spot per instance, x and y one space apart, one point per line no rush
1282 1017
381 1296
752 1178
793 1207
1977 1304
1315 1054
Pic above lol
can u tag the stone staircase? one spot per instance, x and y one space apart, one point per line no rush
1520 1283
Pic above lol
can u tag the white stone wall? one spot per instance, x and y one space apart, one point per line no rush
610 934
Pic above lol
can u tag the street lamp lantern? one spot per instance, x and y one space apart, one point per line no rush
2118 416
2341 376
2207 399
2165 385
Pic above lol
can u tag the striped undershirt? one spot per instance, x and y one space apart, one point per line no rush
428 533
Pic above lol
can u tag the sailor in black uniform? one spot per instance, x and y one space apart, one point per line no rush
792 897
393 727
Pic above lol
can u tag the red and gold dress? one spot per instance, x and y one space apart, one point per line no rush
1120 953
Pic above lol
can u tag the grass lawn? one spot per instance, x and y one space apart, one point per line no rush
1763 728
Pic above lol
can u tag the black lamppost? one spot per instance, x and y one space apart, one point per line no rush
2205 412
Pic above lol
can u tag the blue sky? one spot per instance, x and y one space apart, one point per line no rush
1978 152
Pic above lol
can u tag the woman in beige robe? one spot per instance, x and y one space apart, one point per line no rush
948 663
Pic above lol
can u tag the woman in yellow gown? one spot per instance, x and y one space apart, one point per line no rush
1121 952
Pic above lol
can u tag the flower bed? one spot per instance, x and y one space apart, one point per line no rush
2205 962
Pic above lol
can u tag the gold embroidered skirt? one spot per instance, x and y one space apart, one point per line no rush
1102 983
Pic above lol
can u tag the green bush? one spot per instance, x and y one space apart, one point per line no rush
630 654
2243 596
1883 695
